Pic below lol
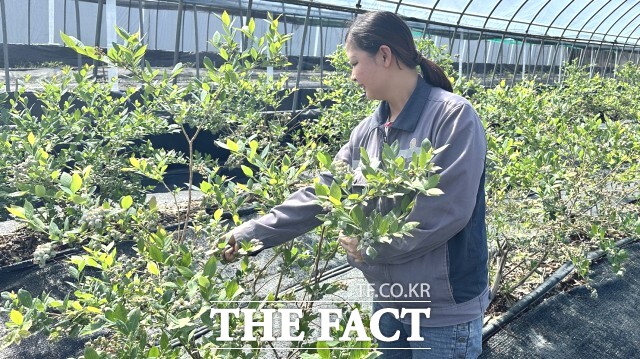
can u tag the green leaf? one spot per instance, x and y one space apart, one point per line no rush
90 353
153 268
126 202
18 212
164 341
321 189
65 180
335 192
140 52
77 199
433 181
177 69
247 171
323 350
208 63
217 215
232 289
204 282
223 53
226 20
210 267
153 203
53 228
324 159
156 254
205 187
31 138
40 190
16 317
29 211
185 271
76 183
252 25
133 319
357 214
25 298
154 352
232 146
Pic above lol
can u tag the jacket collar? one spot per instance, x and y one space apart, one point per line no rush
408 118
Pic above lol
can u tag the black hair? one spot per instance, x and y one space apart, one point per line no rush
371 30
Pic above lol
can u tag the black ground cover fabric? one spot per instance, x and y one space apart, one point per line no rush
577 325
49 279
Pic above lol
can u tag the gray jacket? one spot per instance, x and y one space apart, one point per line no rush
443 266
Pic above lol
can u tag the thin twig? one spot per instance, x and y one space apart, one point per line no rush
497 279
273 349
533 270
318 254
261 270
190 184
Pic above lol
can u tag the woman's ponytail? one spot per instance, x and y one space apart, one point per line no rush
434 75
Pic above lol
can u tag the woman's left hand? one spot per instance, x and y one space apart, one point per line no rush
351 246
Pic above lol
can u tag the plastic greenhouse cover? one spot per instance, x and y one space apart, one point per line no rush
590 20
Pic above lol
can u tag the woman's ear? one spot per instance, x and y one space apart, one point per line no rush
386 53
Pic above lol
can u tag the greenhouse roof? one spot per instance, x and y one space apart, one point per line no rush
601 21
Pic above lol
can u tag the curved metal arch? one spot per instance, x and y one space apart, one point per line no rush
503 35
486 21
525 40
432 10
637 39
575 41
623 29
398 6
431 14
455 30
589 20
550 27
562 37
611 27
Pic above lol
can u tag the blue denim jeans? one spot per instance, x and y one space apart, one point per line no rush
461 341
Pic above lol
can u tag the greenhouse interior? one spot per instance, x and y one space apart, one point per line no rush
190 179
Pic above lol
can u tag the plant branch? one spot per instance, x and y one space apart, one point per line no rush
497 279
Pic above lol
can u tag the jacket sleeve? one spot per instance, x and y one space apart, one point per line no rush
442 217
294 217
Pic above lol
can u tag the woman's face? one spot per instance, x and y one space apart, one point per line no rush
366 70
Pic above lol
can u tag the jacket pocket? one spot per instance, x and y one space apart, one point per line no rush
421 282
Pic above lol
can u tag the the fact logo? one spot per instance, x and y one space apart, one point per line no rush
287 320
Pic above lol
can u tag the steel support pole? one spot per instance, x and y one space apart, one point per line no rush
195 22
5 47
176 48
28 22
78 32
97 39
141 28
296 94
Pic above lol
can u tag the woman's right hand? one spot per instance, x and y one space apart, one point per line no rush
231 249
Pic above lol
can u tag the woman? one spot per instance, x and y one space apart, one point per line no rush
443 266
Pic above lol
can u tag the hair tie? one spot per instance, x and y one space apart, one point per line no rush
419 58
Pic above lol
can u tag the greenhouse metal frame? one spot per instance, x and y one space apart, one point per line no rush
491 40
